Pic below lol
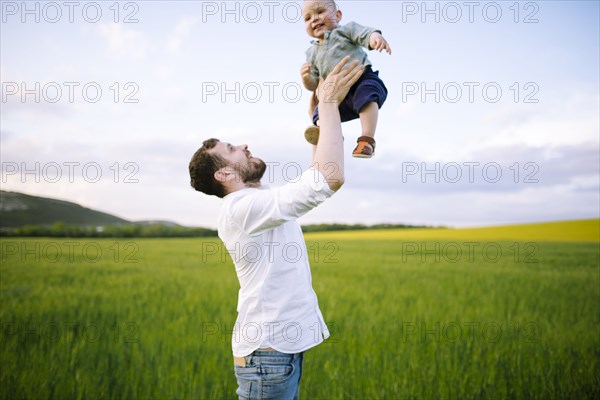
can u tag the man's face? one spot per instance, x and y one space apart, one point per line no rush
320 16
250 169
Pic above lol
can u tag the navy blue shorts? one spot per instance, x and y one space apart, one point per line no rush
369 88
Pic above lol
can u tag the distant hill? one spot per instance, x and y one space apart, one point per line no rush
18 209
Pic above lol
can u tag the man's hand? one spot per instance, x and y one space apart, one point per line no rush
377 42
338 82
307 79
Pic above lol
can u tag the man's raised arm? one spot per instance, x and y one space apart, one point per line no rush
329 154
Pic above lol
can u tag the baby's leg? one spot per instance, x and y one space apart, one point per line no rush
370 94
311 134
313 103
368 119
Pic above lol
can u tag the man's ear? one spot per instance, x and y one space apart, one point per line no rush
223 175
338 15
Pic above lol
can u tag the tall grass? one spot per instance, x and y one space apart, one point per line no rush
152 319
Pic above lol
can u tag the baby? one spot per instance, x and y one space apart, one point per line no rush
333 42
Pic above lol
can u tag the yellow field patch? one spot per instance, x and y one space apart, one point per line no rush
563 231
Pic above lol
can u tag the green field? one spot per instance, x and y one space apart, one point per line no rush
505 312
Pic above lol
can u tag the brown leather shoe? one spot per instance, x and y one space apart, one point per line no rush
365 147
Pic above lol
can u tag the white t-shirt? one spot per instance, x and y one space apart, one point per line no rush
277 306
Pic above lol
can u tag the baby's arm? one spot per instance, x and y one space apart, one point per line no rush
367 37
378 42
308 79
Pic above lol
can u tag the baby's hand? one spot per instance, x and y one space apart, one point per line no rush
307 78
377 42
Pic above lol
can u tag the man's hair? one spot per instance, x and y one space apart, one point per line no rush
203 167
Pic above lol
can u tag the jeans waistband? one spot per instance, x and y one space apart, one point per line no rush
264 353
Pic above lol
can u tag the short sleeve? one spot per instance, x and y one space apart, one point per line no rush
358 34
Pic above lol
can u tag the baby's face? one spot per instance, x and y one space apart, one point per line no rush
320 16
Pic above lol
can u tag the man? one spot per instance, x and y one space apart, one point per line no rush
278 314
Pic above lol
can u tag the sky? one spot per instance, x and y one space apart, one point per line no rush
492 115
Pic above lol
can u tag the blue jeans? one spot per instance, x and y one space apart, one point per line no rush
269 374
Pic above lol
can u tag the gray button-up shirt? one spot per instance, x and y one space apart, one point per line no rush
344 40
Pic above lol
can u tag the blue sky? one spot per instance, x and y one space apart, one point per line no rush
513 136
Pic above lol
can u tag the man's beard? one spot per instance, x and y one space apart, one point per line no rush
252 172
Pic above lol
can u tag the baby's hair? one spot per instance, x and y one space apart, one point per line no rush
333 3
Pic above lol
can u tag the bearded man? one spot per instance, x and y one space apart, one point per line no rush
278 313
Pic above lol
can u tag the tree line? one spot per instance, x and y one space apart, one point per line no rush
60 229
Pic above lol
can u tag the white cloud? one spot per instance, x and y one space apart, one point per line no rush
181 31
164 71
125 42
572 120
